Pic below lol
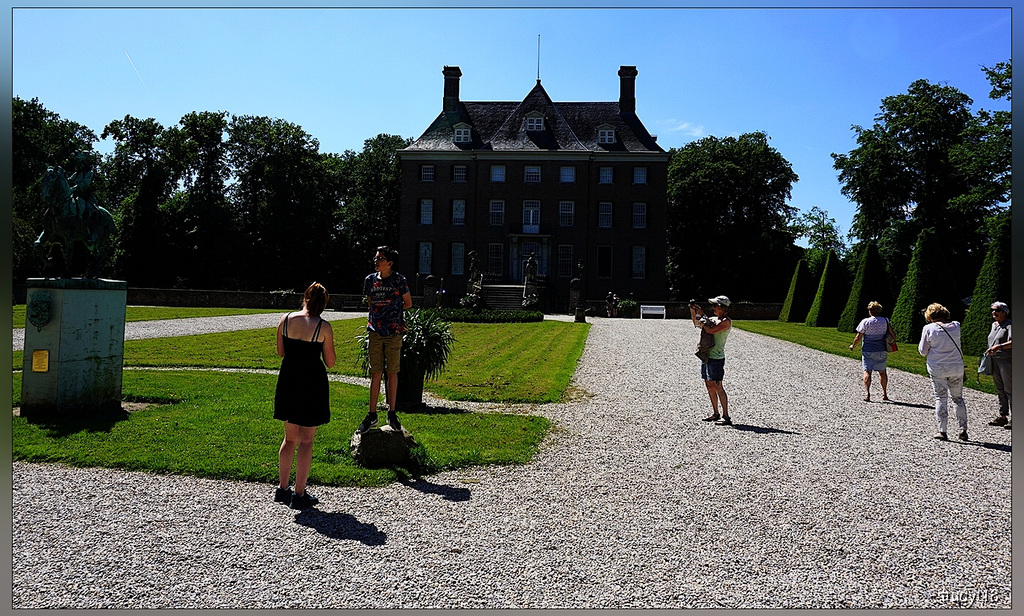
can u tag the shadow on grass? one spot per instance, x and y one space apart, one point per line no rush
431 410
448 493
62 427
341 526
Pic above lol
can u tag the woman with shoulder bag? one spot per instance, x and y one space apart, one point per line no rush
940 344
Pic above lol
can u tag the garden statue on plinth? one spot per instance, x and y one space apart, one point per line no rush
474 285
72 215
530 296
74 351
576 298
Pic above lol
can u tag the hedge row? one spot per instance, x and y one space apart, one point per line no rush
467 315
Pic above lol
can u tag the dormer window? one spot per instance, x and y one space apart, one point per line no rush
462 135
535 123
605 135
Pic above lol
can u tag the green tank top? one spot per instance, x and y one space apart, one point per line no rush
718 351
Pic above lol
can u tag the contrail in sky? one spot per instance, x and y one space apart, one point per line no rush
137 73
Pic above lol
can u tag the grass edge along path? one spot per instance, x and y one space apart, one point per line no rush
158 313
224 429
830 340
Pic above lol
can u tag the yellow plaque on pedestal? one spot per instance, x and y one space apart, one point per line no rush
40 361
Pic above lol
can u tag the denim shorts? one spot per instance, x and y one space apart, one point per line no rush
713 370
874 361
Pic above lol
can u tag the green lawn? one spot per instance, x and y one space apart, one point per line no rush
215 424
221 425
831 340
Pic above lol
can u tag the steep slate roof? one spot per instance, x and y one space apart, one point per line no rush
499 126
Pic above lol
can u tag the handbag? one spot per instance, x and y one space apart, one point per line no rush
890 338
985 364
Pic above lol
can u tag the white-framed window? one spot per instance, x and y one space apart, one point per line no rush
535 123
565 260
458 211
531 216
604 261
567 174
604 215
459 173
462 135
639 215
497 173
532 173
605 135
497 212
425 256
566 213
458 258
426 211
605 176
495 258
427 173
639 175
639 262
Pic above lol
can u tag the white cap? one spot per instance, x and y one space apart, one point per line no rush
721 299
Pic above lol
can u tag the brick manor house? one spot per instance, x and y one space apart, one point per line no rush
570 182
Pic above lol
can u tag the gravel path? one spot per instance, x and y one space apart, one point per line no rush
813 499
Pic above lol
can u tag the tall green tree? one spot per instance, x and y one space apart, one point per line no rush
823 236
802 289
925 163
371 201
283 203
729 220
39 138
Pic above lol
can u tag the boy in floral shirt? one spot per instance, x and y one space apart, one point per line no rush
387 295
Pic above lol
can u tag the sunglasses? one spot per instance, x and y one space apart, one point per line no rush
379 259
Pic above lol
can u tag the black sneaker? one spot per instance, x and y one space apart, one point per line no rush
368 422
725 421
1000 420
963 435
283 495
941 436
393 421
1007 426
303 501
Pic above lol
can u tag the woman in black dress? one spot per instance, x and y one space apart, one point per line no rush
306 342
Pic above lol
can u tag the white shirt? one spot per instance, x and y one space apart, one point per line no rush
943 357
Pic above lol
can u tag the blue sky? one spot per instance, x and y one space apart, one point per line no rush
802 75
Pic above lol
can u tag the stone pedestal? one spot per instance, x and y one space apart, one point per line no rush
74 348
382 447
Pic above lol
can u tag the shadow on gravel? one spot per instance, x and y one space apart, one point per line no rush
456 495
995 446
340 526
760 429
916 406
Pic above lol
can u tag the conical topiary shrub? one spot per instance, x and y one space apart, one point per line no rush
800 296
927 281
993 285
831 297
871 284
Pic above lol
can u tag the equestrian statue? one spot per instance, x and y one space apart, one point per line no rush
72 215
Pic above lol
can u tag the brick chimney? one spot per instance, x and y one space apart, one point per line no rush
451 88
627 89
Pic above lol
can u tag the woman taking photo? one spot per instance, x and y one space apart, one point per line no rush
873 353
940 344
306 342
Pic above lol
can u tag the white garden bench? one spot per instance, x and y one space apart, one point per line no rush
652 310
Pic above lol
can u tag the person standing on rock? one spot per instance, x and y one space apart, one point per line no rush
302 398
387 295
712 370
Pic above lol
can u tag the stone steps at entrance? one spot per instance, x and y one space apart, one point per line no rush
503 296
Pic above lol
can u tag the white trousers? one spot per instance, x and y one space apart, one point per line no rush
946 387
